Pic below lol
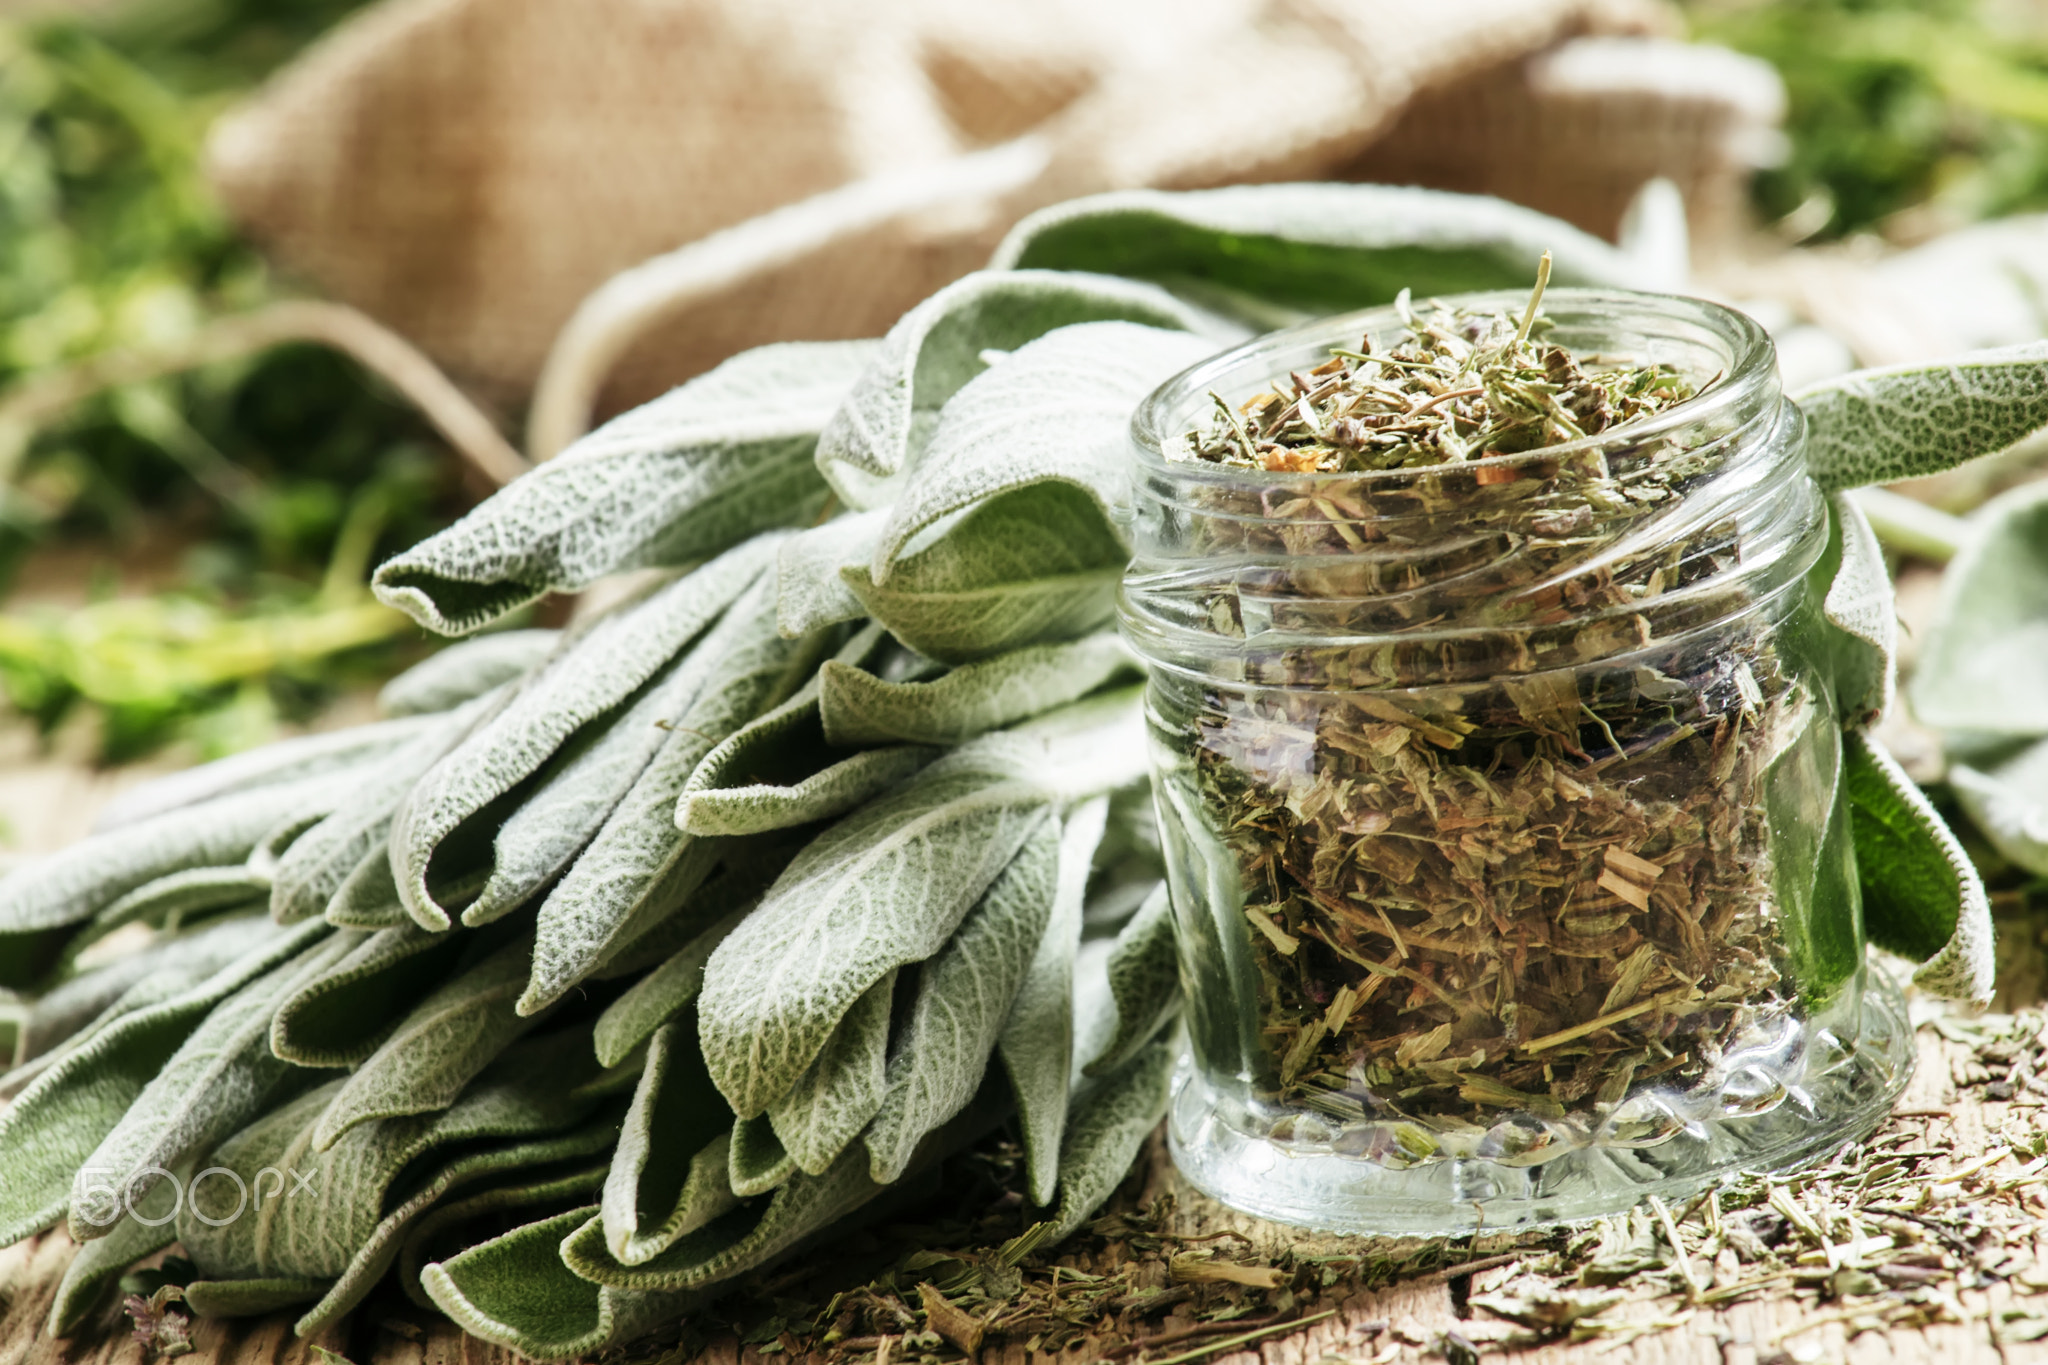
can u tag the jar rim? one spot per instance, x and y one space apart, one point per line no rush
1751 372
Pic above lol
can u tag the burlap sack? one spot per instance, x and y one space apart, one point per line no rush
470 170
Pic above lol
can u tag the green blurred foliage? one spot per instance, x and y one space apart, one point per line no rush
1906 117
288 474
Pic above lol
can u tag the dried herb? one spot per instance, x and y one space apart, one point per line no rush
1481 883
1456 386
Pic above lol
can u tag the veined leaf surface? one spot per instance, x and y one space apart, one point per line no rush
725 456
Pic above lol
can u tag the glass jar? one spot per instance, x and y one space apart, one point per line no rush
1501 800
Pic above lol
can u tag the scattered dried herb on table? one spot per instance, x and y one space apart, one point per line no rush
1493 883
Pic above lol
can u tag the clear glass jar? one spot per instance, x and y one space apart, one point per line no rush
1501 801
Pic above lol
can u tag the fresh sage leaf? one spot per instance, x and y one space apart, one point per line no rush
183 897
101 1262
1922 897
341 1016
1904 421
661 994
454 1225
73 884
709 465
639 867
755 1160
380 1250
278 765
767 775
1033 565
669 1175
1036 1041
1859 635
1058 410
857 708
585 782
753 1237
593 674
466 670
810 591
369 898
964 995
515 1291
538 1089
824 795
251 1298
2008 801
883 888
53 1125
1109 1124
1984 666
938 346
155 972
437 1049
838 1093
306 877
1144 981
1317 248
221 1077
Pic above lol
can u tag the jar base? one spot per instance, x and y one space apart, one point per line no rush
1843 1092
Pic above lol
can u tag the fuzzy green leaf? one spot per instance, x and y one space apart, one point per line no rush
1058 410
883 888
1904 421
824 795
53 1126
661 994
539 1088
449 677
437 1049
1033 565
1108 1126
810 592
220 1078
585 782
155 972
75 883
318 864
182 898
939 346
964 995
837 1094
1144 981
454 1225
2007 799
669 1176
382 1247
515 1291
1922 897
858 708
102 1261
277 765
725 456
1858 638
369 898
639 867
1984 666
341 1016
600 669
756 1162
1261 251
1036 1041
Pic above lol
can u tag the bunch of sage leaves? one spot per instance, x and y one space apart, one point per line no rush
679 937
